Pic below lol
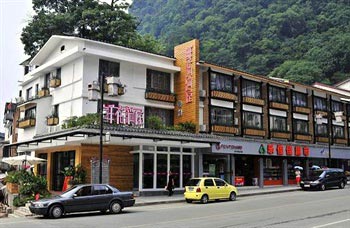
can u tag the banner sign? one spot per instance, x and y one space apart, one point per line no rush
124 115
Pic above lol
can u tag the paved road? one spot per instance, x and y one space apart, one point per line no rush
291 209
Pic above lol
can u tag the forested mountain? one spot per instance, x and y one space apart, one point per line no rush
301 40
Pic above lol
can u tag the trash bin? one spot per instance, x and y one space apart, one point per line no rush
255 181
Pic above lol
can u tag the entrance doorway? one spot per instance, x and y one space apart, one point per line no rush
245 168
60 160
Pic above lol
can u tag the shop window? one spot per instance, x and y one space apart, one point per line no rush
42 167
187 168
348 109
175 168
162 148
189 150
162 170
221 82
301 127
278 124
272 170
158 81
148 148
251 89
277 94
108 68
337 106
136 158
174 149
221 116
148 163
166 115
338 132
320 104
252 120
299 99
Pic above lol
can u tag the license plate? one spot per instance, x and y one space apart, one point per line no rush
307 186
190 188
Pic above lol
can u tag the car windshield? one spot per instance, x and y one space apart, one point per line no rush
193 182
317 174
69 192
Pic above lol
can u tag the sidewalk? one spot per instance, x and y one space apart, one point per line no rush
242 192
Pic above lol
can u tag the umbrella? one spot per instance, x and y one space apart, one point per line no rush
315 167
19 160
298 167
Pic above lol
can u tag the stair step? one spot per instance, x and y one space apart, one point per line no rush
23 212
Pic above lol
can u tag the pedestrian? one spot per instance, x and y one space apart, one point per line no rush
297 176
170 185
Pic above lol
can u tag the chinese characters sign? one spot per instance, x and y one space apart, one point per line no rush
189 76
125 115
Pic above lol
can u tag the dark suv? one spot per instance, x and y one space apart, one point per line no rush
324 178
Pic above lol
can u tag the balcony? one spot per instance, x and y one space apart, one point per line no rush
158 96
304 110
278 105
43 92
52 121
224 129
223 95
322 139
26 123
254 101
280 135
254 132
302 137
55 82
340 141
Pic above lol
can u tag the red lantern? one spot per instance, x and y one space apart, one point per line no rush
280 149
289 150
297 151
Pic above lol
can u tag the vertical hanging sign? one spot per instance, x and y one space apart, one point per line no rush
189 76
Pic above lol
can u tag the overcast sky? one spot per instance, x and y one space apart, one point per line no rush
13 17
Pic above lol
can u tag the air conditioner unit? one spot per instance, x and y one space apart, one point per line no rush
202 127
202 93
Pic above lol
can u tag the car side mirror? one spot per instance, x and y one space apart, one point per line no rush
75 195
327 175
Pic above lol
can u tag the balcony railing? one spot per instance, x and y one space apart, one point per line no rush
43 92
223 95
26 123
224 129
322 139
254 132
278 105
159 96
340 141
52 121
255 101
302 137
55 82
280 135
305 110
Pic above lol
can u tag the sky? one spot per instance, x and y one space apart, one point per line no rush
13 17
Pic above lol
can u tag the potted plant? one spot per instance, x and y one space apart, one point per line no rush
68 173
12 181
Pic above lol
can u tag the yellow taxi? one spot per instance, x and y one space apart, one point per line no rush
204 189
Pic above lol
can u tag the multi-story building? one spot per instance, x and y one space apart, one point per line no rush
250 129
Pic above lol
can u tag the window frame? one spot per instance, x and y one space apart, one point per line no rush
278 130
220 123
105 68
321 99
223 79
295 131
279 92
295 95
334 129
325 126
245 87
154 81
254 126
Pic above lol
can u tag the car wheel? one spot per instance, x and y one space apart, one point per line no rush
232 196
188 201
115 207
56 211
323 187
341 185
204 199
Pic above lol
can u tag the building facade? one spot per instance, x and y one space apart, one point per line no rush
250 130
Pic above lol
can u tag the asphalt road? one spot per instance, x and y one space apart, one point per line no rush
315 209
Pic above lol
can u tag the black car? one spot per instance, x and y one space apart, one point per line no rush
324 178
87 197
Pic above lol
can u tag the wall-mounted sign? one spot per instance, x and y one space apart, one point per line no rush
270 148
125 115
189 76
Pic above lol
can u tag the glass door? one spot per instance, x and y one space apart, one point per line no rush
60 160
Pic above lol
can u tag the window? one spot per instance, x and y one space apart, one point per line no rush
221 82
208 182
219 182
162 170
166 115
348 109
337 106
158 81
108 68
84 191
221 116
278 123
148 162
47 80
321 130
277 94
30 113
29 93
301 127
251 89
320 104
36 90
186 168
101 190
252 120
62 48
299 99
338 132
58 73
55 110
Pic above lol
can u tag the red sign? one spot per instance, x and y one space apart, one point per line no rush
279 149
239 180
297 151
289 150
270 148
306 151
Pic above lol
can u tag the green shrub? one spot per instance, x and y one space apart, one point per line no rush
91 118
155 122
187 126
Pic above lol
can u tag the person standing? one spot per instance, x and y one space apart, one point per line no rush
170 185
297 176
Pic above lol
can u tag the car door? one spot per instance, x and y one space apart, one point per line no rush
102 196
221 188
210 188
83 200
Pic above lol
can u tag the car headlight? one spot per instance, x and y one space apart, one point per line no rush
40 204
301 182
315 182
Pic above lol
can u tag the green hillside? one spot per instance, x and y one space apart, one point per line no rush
304 41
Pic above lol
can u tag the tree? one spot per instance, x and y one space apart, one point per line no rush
90 19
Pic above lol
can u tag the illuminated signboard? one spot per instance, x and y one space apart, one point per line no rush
125 115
